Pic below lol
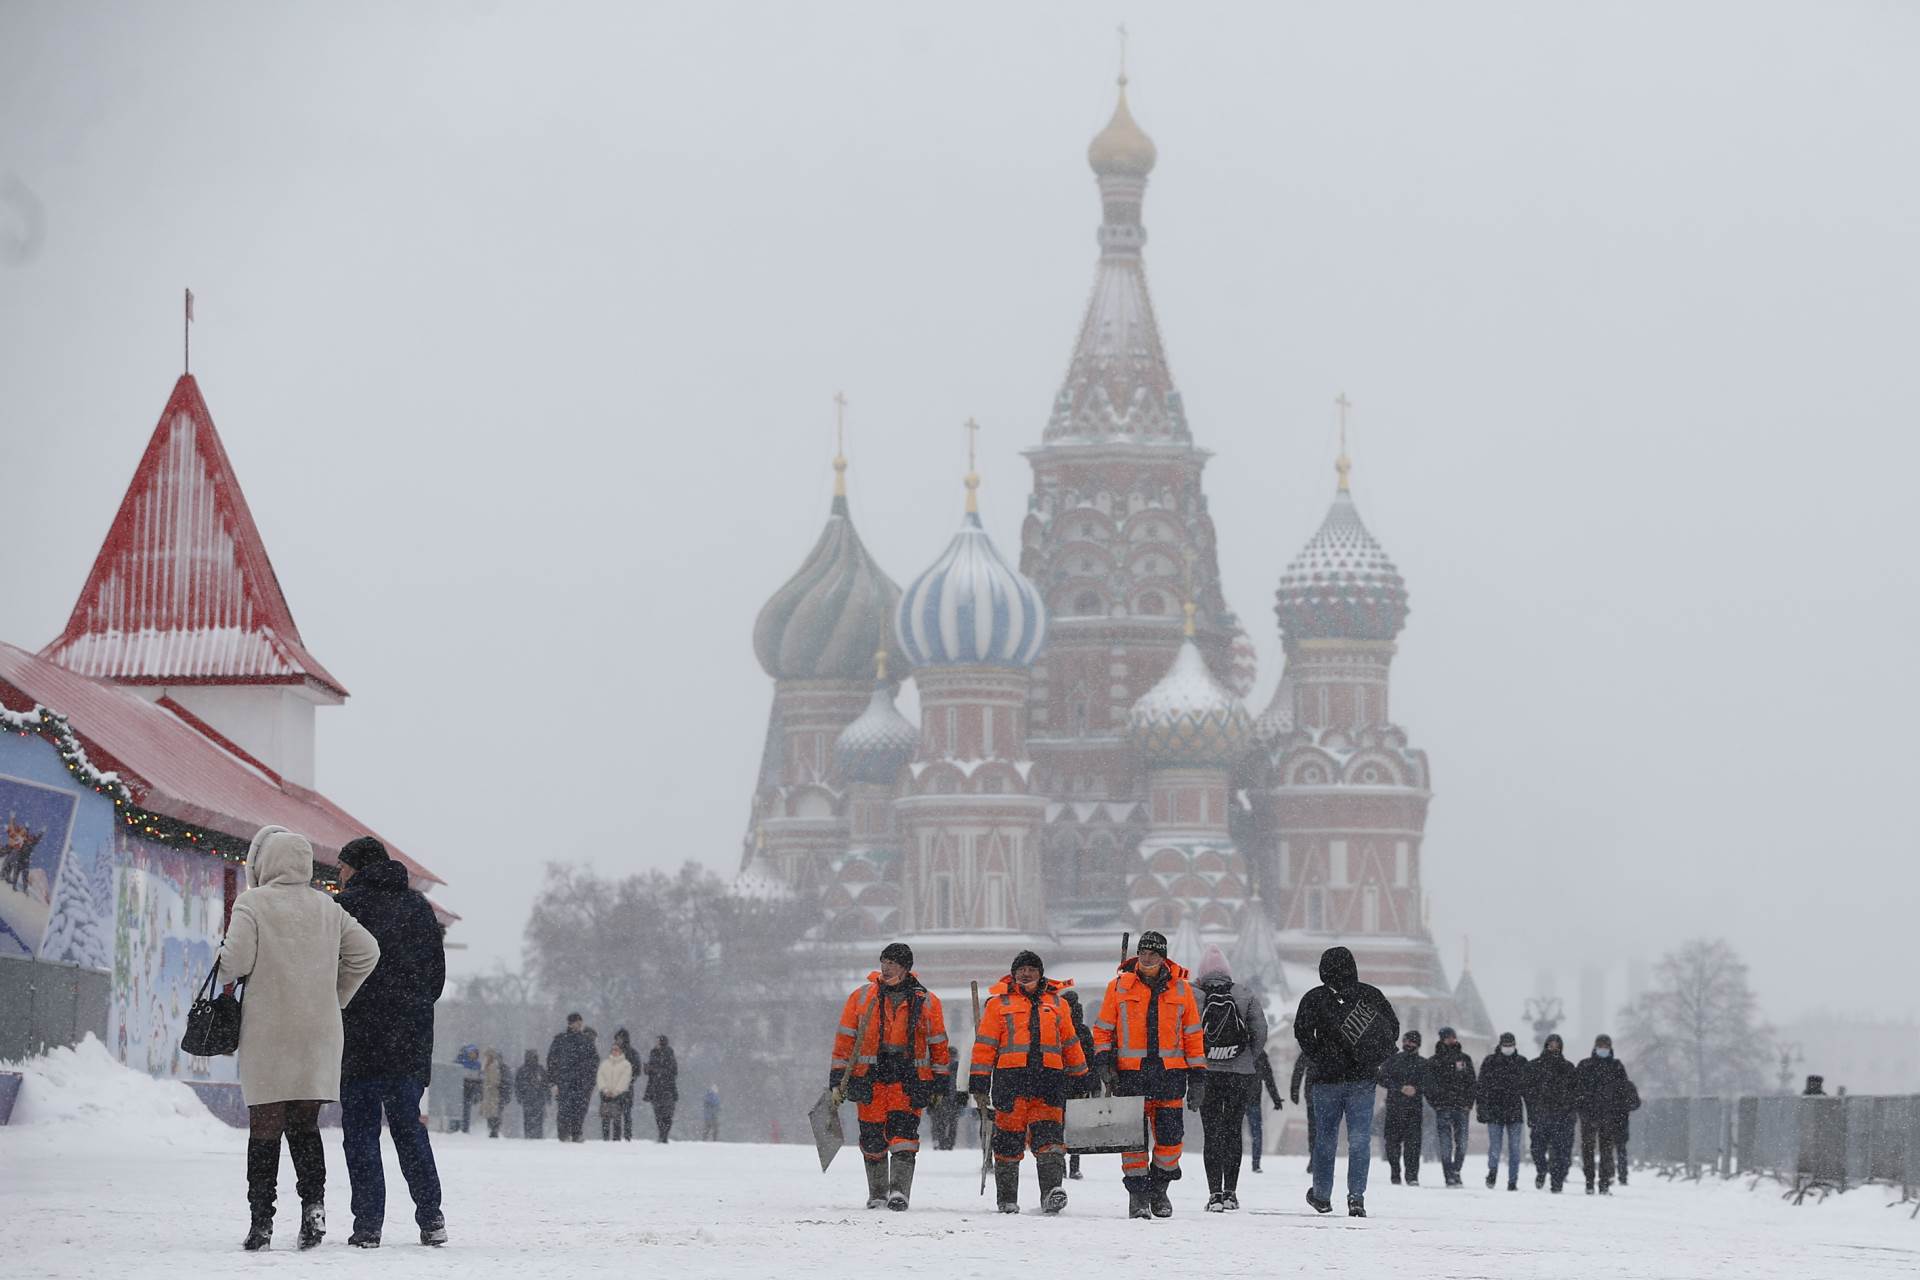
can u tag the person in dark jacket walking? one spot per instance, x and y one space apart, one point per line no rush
1256 1123
1302 1079
1079 1086
663 1089
1500 1095
1450 1094
624 1043
388 1053
1604 1096
530 1091
1404 1077
1348 1028
1550 1106
572 1064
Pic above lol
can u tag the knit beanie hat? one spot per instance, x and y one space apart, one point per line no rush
1213 963
1152 940
1026 958
1506 1037
358 853
898 952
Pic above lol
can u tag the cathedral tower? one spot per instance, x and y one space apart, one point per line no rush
1116 517
971 627
817 637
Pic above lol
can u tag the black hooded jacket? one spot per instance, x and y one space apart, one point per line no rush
1549 1085
1449 1078
1346 1026
1601 1089
389 1024
1501 1089
1404 1068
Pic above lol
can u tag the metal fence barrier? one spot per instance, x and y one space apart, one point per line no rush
49 1006
1815 1146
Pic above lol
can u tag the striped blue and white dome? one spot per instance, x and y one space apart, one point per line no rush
971 608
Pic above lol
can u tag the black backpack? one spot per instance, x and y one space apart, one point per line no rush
1367 1031
1226 1031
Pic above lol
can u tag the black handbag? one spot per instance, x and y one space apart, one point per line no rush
213 1023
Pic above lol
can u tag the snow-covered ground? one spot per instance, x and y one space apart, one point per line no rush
111 1175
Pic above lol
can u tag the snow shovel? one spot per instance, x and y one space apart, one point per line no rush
984 1107
1106 1126
824 1118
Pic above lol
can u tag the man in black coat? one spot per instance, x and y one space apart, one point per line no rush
663 1086
1404 1077
1604 1096
1550 1106
1450 1094
1348 1028
387 1057
1500 1093
572 1064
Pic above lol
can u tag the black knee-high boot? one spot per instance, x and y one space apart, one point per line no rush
263 1178
310 1180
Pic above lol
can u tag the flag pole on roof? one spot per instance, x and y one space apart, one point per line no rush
186 337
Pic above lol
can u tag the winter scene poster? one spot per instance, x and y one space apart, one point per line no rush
738 638
37 822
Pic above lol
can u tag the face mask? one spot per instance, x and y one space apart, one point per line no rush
1603 1053
1507 1049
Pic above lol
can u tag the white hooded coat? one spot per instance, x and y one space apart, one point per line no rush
303 958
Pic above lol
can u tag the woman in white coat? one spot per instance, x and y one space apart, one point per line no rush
303 958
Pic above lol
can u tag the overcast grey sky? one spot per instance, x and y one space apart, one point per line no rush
521 325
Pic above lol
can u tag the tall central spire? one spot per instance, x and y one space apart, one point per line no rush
1118 386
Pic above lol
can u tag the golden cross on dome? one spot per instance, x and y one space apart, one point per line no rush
1122 29
1343 464
973 475
839 444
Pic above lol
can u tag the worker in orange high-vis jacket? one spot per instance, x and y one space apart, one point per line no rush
1148 1043
1023 1053
902 1052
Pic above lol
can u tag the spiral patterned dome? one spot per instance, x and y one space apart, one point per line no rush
879 742
1341 586
971 608
830 618
1189 719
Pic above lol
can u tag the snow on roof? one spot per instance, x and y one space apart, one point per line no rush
173 769
182 590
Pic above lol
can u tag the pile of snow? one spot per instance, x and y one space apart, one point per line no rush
84 1092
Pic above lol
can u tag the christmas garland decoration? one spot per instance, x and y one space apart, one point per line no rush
49 724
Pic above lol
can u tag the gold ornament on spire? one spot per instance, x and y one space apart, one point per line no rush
1123 147
880 666
1343 464
839 444
973 475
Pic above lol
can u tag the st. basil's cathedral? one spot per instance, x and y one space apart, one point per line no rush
1085 764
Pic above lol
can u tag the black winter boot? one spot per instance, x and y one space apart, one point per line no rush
1006 1186
900 1182
310 1179
876 1184
1052 1170
1073 1170
1157 1198
263 1184
1138 1206
1356 1207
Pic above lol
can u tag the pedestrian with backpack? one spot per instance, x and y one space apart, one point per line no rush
1348 1028
1235 1027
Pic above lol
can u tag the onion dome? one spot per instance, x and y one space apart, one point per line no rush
971 608
1122 148
1341 585
880 741
758 881
1189 719
831 617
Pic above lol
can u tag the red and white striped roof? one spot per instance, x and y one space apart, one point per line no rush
174 769
182 591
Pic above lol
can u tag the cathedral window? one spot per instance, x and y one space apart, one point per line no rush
1316 911
1087 605
1152 604
1370 910
1286 865
1337 863
1402 859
